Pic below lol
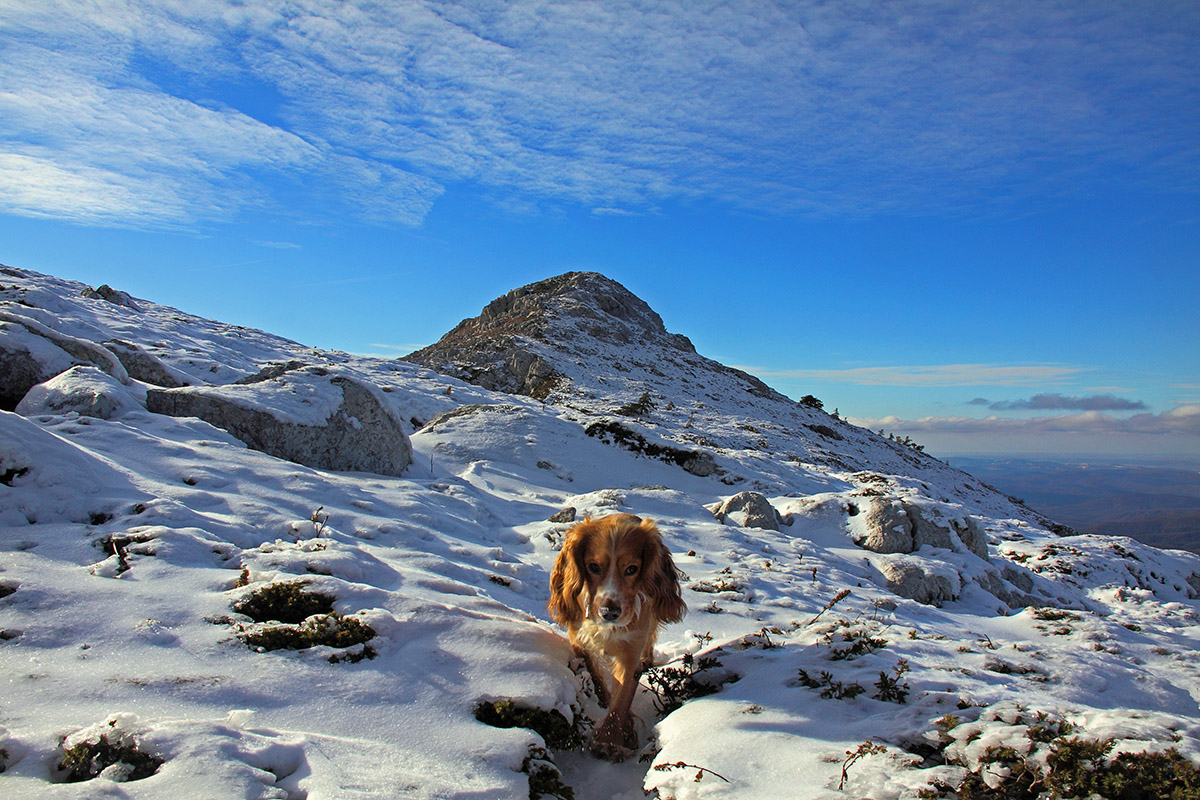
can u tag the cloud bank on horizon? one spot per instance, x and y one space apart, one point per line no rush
143 114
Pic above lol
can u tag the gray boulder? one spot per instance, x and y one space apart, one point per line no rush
86 391
886 527
891 525
309 416
749 510
916 580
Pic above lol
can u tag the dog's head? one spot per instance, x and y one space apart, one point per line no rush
612 570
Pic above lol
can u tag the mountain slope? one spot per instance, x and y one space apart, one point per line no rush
137 550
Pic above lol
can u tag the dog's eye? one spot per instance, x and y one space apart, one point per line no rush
594 568
631 569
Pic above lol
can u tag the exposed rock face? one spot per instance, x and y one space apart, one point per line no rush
891 525
87 391
31 353
308 416
748 509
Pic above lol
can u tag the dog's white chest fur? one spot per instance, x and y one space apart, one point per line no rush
607 639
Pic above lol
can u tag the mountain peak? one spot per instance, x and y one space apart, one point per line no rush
518 341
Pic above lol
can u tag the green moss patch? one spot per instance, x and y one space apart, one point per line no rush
330 630
286 602
552 726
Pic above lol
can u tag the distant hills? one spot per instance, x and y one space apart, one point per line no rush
1158 505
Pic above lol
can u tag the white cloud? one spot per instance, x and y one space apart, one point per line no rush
787 107
932 375
1182 421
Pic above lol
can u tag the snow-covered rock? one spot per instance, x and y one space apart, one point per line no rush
312 416
749 510
86 391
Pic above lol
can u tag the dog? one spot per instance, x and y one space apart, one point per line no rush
613 585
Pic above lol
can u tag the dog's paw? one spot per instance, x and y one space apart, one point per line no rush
611 752
615 739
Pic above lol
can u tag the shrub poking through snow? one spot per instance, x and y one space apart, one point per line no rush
1076 767
864 749
551 725
700 771
674 686
115 752
830 689
284 602
1045 760
850 640
545 780
890 688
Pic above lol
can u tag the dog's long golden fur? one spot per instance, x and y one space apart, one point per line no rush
613 585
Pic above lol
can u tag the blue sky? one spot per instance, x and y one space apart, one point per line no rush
976 224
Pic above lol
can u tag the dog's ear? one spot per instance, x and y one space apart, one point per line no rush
662 578
567 578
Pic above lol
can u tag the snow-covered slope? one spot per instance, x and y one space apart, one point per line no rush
130 545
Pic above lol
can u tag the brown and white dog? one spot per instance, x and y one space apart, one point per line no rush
612 587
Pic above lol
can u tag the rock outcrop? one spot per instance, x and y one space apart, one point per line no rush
749 510
310 416
891 525
31 353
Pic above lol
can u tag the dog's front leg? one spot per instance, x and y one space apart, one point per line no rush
616 738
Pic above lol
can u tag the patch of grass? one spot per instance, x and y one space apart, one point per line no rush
286 602
551 725
87 759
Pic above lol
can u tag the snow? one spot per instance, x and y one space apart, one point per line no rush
126 542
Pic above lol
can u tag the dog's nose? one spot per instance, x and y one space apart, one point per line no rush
610 612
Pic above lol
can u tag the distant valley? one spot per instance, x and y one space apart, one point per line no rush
1158 505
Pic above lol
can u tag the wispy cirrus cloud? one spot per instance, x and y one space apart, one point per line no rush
933 375
821 108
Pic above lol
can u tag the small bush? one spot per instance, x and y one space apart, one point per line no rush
551 725
284 602
640 408
674 686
